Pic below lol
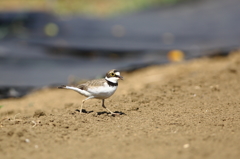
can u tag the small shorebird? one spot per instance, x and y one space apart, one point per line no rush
98 88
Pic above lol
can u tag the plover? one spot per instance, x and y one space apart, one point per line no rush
98 88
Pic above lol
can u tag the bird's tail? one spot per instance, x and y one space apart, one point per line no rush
62 87
83 92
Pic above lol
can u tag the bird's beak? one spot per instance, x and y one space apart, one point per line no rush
120 77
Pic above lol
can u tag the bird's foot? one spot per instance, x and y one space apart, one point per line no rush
116 113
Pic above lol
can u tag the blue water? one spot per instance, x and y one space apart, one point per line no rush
42 70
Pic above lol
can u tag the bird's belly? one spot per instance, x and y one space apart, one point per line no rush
102 92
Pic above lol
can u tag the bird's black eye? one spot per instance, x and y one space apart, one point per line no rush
112 74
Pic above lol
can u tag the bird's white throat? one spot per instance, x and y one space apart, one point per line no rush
112 79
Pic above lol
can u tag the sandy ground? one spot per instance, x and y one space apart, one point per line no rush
181 110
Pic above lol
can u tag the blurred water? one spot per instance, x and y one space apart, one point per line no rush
38 49
26 68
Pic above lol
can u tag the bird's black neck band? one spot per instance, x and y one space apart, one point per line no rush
111 84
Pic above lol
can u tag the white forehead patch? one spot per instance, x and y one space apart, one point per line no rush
117 73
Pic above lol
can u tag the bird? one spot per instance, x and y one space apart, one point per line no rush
99 88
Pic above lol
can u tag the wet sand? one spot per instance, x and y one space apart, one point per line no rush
181 110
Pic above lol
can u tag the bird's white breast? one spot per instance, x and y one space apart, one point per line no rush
102 92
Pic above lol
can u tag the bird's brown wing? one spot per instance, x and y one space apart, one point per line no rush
92 83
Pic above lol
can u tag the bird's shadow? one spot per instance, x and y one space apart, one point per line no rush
116 113
84 111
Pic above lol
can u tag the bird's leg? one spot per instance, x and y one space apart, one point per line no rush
106 107
82 106
83 103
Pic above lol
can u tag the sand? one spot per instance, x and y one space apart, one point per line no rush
180 110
